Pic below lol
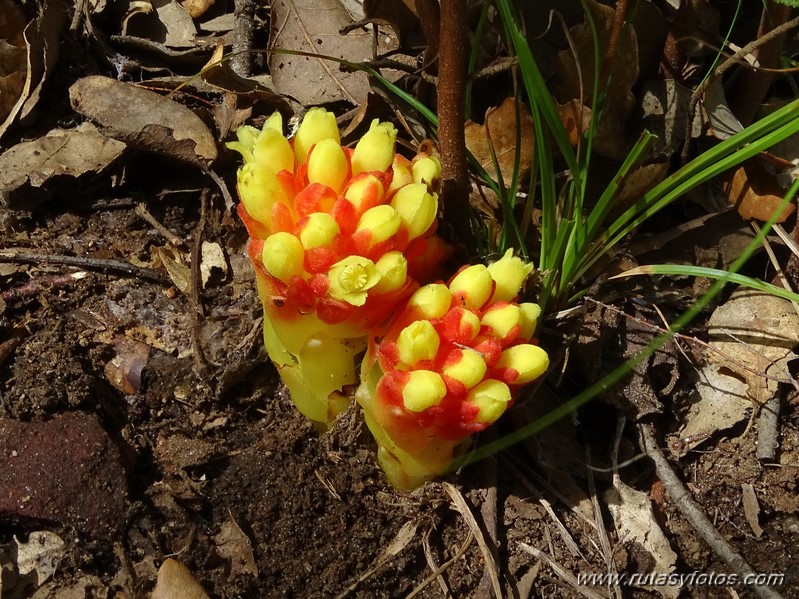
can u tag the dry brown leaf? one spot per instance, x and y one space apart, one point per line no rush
755 192
400 15
12 56
610 140
149 121
42 37
71 152
233 545
176 582
751 508
313 26
124 370
213 262
499 132
753 335
196 8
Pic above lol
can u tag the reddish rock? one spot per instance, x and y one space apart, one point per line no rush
64 471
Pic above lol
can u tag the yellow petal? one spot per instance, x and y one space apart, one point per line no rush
502 319
427 170
423 390
509 273
320 230
382 221
283 256
531 313
259 190
317 125
375 150
492 398
469 370
351 279
328 165
530 361
416 342
366 186
474 285
417 208
393 269
431 301
273 151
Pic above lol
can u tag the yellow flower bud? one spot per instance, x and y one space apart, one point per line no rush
273 151
375 150
321 229
416 342
246 136
393 269
431 301
427 170
529 321
492 398
509 272
417 208
351 279
530 361
328 165
283 256
423 390
381 221
474 285
502 319
317 125
401 169
469 369
363 189
259 190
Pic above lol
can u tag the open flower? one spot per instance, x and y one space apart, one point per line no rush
449 365
339 237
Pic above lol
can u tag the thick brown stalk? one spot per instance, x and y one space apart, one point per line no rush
453 53
751 89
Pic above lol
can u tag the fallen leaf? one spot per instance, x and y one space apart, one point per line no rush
176 267
664 107
175 581
124 370
214 262
71 152
150 121
751 508
500 133
753 335
13 64
400 15
233 545
755 192
313 26
635 522
41 554
196 8
42 37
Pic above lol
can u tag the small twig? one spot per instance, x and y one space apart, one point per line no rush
35 286
723 68
142 211
243 37
488 556
444 567
693 513
767 430
434 567
198 311
488 509
109 267
619 18
565 575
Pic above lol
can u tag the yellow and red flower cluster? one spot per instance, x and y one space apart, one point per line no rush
339 237
448 366
341 240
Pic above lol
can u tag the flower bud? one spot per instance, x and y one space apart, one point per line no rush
502 318
319 230
416 342
375 150
401 173
364 192
245 141
522 363
491 397
423 390
427 170
460 325
282 256
466 366
327 164
473 285
529 320
393 269
273 151
259 190
318 124
380 223
417 208
431 301
509 273
351 279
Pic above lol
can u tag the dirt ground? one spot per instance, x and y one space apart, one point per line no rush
145 438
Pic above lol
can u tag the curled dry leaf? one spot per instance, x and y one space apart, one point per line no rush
124 370
500 132
151 122
71 152
12 56
755 192
41 555
232 544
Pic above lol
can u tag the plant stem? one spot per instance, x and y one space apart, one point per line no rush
453 55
